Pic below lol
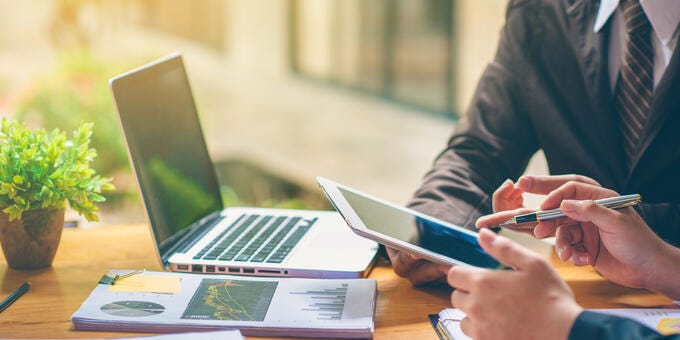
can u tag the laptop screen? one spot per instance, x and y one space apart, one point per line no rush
176 177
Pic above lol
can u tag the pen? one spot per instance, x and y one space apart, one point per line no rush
14 296
611 202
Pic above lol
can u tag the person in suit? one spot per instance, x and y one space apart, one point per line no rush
592 83
628 253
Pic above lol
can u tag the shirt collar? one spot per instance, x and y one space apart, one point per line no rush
664 15
607 8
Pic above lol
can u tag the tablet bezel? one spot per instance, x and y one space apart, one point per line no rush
331 189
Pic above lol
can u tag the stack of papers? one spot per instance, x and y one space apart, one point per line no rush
214 335
256 306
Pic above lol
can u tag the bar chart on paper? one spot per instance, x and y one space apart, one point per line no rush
327 303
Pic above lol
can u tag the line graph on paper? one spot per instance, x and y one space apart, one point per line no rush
328 303
219 299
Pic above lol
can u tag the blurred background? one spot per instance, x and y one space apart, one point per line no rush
363 92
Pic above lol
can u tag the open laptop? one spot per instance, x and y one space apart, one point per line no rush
180 191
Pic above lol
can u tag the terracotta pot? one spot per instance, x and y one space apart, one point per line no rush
31 242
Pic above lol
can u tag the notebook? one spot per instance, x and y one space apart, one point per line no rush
179 187
664 321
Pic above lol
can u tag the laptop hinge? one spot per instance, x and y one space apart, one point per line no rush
195 231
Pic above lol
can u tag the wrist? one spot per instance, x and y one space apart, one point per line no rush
568 314
664 276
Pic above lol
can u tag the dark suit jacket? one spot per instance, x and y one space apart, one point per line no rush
548 88
591 325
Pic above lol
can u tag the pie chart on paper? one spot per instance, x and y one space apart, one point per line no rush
132 308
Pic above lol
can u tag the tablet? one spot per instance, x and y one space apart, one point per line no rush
405 229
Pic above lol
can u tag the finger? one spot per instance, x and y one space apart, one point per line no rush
461 300
462 277
581 256
444 269
424 271
499 217
467 327
543 185
505 250
398 257
575 190
415 257
504 195
402 262
547 228
505 189
516 196
589 211
515 200
526 229
543 230
566 237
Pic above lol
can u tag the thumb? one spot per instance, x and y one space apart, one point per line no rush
589 211
505 250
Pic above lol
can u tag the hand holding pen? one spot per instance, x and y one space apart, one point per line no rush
576 240
530 220
508 199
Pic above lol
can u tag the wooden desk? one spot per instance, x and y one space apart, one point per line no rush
84 255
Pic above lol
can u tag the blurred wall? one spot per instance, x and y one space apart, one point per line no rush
477 25
257 36
258 39
252 103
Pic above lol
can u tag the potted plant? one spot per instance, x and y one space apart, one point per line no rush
40 172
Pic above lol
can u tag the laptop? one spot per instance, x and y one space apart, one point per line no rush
180 191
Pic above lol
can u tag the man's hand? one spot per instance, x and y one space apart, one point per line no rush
415 269
507 199
530 302
618 243
508 196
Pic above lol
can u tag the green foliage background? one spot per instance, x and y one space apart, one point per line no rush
77 92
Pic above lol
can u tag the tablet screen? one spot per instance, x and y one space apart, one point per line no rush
419 231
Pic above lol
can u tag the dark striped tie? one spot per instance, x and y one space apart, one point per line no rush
634 89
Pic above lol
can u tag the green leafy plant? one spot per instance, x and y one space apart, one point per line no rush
40 169
77 91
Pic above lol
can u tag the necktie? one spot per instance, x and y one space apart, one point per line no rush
634 89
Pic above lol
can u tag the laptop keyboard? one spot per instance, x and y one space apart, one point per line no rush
257 238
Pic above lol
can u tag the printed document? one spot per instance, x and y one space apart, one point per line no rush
256 305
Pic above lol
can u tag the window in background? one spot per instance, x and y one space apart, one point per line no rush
201 21
398 49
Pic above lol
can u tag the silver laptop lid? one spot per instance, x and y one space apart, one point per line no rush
175 175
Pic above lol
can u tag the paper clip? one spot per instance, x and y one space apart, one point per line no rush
108 280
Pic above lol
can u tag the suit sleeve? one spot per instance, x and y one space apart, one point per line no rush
591 325
494 141
664 219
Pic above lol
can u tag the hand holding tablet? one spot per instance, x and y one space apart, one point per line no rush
405 229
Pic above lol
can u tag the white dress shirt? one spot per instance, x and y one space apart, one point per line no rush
664 15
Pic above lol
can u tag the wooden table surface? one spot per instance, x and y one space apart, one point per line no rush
84 255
